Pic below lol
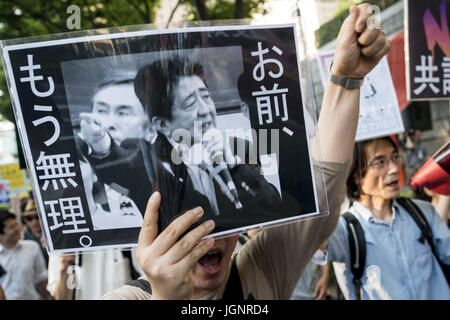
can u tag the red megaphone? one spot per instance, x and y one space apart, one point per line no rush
435 173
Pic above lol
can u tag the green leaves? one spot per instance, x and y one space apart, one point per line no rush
223 9
329 30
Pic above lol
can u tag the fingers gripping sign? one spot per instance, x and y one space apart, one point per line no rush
167 259
359 46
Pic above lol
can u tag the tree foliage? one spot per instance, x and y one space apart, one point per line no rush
329 30
223 9
343 5
24 18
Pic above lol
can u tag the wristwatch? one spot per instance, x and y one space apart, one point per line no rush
349 83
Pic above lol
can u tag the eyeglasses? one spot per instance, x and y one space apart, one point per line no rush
31 218
383 163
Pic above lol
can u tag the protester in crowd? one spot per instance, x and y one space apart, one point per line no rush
117 120
32 230
399 263
315 279
268 266
313 283
26 274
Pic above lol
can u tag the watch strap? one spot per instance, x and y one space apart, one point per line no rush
349 83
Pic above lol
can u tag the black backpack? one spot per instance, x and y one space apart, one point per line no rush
357 241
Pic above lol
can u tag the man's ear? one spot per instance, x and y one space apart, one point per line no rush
161 124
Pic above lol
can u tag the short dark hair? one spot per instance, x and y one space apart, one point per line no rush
155 83
5 214
359 166
114 79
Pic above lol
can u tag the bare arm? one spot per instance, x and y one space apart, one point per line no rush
337 123
443 207
62 290
42 288
320 292
358 51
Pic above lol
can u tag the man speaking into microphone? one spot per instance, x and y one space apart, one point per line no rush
194 167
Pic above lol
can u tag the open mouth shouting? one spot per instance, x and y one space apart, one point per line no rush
392 184
211 263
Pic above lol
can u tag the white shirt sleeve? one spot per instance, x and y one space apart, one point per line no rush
320 257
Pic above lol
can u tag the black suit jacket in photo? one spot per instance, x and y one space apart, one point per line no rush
261 203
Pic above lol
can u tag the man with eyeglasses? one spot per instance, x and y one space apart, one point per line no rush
397 265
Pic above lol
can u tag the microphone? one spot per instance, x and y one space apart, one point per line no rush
227 185
220 172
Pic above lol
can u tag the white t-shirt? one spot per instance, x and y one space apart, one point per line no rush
25 268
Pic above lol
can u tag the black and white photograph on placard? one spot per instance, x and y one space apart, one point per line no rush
207 116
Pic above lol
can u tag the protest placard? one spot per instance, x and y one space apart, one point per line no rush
379 113
209 116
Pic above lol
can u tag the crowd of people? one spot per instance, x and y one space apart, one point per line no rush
401 259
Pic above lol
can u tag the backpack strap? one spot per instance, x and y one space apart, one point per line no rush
243 238
233 290
141 284
357 245
427 233
419 218
2 271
